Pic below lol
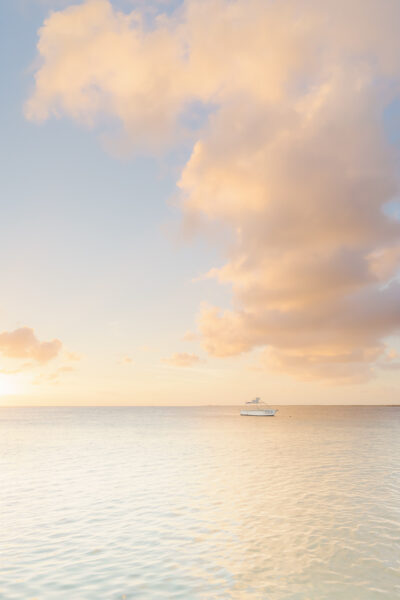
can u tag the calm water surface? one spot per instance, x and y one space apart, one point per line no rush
199 503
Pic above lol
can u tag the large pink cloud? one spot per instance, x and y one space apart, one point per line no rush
293 157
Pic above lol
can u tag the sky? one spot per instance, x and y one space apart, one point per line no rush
199 202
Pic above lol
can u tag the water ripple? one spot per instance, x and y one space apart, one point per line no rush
200 504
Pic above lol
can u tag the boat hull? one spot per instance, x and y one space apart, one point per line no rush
258 413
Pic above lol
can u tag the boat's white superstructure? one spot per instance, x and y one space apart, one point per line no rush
257 409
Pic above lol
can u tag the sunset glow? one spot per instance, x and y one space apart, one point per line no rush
9 385
209 207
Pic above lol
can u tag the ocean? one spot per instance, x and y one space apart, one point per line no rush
199 503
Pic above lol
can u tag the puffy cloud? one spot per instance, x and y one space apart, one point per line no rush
98 63
23 343
292 156
182 360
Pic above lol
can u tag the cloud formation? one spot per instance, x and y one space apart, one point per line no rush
72 356
23 343
292 156
126 360
182 360
53 377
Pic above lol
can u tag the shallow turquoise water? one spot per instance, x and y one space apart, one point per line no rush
199 503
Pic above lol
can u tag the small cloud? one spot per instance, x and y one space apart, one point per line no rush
23 343
54 376
73 356
182 360
65 369
126 360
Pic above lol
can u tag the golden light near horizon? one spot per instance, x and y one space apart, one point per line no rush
9 384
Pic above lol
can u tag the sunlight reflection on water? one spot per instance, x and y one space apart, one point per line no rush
193 503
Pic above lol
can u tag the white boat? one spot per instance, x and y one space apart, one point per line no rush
257 409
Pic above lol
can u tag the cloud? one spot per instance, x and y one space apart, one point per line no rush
52 377
73 356
23 343
126 360
182 360
292 157
98 63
